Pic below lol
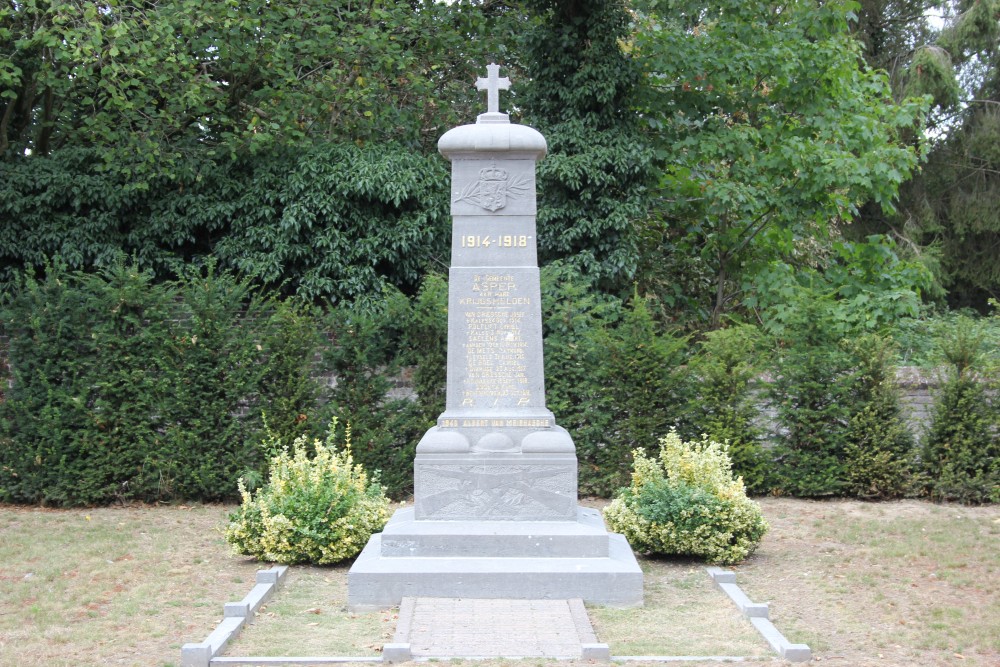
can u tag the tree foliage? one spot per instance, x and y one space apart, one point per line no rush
948 215
292 143
151 83
331 221
769 135
581 95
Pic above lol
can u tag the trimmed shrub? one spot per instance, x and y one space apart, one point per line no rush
426 343
687 503
642 372
366 355
125 389
961 455
573 314
612 379
81 421
722 405
879 448
318 510
811 396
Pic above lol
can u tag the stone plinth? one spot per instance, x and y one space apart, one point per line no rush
523 560
495 481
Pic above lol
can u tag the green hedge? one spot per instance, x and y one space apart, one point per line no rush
125 389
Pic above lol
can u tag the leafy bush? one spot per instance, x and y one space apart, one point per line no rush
366 354
811 396
318 510
879 448
80 423
613 380
722 404
426 342
126 389
642 371
687 503
329 222
961 455
573 312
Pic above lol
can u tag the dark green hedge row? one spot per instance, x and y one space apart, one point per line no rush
124 388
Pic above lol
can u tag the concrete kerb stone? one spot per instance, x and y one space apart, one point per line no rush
678 658
590 648
396 652
725 580
746 607
235 616
399 649
264 660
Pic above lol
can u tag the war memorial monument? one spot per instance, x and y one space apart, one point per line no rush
495 511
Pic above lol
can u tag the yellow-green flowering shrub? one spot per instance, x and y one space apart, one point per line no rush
320 509
687 502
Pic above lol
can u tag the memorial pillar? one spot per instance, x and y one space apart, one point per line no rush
496 452
495 510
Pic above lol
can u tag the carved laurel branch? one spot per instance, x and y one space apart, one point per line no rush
515 188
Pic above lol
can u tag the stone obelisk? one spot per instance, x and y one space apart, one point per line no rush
495 510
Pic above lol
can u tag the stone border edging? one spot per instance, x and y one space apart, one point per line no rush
758 615
238 614
235 616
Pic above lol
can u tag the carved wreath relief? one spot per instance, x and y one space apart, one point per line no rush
493 188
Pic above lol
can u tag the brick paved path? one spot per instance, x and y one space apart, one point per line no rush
455 627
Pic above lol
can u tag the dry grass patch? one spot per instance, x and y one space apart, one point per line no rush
888 584
897 583
112 586
684 614
308 616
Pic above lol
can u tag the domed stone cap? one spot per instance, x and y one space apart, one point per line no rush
492 138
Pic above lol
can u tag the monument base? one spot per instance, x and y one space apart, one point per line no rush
495 486
495 560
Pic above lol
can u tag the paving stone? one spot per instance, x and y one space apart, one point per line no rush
475 628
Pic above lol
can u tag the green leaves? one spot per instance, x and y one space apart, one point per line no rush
581 97
150 83
774 125
331 222
124 389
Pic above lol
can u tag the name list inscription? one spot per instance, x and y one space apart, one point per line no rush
496 371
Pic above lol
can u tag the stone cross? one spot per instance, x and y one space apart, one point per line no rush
493 84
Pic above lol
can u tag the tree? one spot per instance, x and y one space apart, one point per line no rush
294 143
769 135
948 215
149 83
581 96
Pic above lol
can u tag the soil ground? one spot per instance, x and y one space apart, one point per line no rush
887 584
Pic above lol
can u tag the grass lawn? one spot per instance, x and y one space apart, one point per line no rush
891 584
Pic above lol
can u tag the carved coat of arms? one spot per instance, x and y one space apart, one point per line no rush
493 189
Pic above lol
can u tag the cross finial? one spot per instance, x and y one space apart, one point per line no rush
493 84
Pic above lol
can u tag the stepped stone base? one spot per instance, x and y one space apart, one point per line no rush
495 560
